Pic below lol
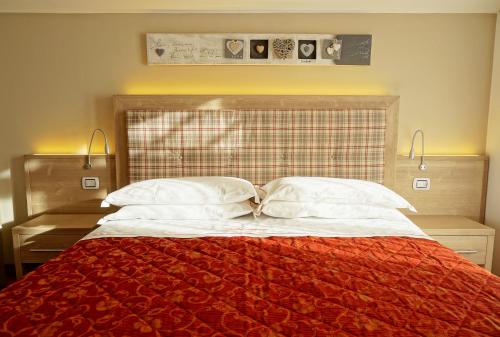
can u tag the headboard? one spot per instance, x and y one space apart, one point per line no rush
258 138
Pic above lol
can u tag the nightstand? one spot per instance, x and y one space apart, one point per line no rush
44 237
466 237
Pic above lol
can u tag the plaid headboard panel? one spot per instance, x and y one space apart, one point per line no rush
257 145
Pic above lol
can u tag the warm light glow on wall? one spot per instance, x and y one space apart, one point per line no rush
60 147
165 89
436 150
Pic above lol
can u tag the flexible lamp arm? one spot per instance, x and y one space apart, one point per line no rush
412 150
88 165
423 165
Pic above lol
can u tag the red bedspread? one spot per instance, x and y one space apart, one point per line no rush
254 287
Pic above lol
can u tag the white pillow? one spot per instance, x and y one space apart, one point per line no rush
334 191
293 209
179 212
183 191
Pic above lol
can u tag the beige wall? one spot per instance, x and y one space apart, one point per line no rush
493 150
58 72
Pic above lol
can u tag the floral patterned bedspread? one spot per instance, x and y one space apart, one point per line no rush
241 286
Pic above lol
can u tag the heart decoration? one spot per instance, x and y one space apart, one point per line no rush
283 48
307 49
159 51
333 49
260 48
234 46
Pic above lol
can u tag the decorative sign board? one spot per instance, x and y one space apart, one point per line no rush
318 49
356 49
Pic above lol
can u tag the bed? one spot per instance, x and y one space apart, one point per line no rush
255 276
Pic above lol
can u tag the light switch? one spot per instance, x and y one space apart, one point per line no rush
90 183
422 184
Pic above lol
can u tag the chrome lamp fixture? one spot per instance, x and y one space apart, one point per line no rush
88 165
423 165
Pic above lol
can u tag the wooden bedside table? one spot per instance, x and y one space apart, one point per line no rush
466 237
44 237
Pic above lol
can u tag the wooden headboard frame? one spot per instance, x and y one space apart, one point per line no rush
123 103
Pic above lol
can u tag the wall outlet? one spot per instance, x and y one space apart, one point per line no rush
90 183
421 184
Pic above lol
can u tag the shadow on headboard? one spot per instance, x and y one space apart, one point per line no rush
345 136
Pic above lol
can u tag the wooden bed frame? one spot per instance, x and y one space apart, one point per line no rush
123 103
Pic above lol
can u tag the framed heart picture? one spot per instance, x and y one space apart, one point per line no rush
258 49
283 48
307 49
331 49
234 48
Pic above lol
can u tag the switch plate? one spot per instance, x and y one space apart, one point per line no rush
90 183
421 184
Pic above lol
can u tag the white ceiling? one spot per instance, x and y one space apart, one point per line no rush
249 6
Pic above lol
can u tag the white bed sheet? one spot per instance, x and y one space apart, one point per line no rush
262 226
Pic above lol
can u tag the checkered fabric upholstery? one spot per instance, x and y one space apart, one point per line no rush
257 145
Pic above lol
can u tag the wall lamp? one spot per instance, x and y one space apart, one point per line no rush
423 165
88 165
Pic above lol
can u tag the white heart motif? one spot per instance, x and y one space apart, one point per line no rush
234 46
330 50
307 49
